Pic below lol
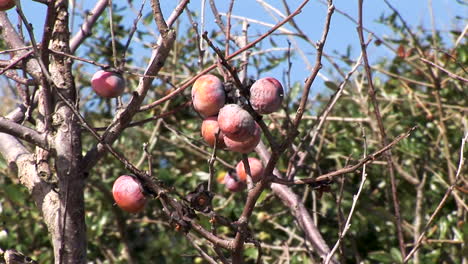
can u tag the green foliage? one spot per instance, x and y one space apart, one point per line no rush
179 158
21 226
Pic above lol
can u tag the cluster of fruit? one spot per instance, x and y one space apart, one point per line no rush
231 127
226 125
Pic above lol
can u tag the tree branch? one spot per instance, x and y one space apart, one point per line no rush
451 74
299 211
14 41
25 133
86 27
189 82
329 176
124 117
383 135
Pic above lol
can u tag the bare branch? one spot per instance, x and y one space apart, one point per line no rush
124 117
328 118
85 29
299 211
158 17
25 133
329 176
353 206
203 254
383 135
189 82
14 41
453 75
442 202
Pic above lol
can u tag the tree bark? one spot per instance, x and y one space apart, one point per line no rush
68 230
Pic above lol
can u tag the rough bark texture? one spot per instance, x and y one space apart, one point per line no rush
14 41
68 230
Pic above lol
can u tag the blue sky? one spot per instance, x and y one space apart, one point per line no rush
342 32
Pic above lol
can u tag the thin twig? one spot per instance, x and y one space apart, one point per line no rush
189 82
388 155
322 118
329 176
451 74
16 61
255 21
111 28
353 206
130 35
203 254
442 202
228 29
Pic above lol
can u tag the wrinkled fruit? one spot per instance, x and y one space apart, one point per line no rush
235 122
245 146
266 95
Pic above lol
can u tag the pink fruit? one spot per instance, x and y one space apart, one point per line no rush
245 146
128 194
235 122
233 184
209 128
6 4
256 169
108 84
208 95
266 95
